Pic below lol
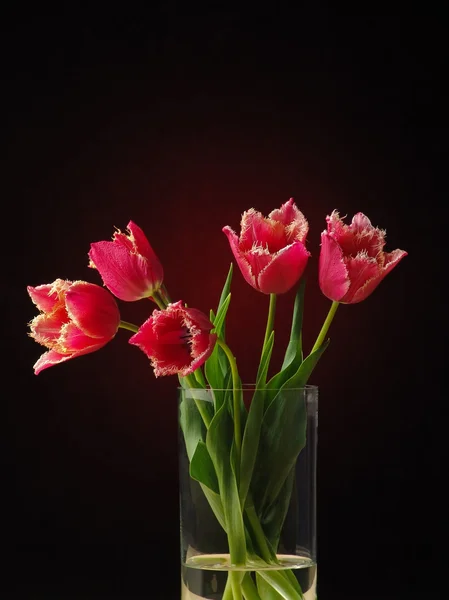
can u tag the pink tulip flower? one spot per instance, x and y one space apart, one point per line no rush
75 318
128 265
271 250
352 261
176 340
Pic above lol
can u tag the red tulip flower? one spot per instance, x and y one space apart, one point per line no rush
176 340
128 265
352 260
75 318
271 250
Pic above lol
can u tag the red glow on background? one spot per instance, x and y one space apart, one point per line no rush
202 177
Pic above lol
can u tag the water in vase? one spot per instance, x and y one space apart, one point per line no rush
204 577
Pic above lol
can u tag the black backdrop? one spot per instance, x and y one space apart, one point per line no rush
180 120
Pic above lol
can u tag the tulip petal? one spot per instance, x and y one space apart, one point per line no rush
369 238
53 357
242 262
143 247
176 340
360 223
177 361
258 259
74 341
292 218
42 297
141 243
47 296
48 359
45 329
166 359
125 274
360 247
284 270
92 309
259 231
202 347
392 259
128 265
359 235
267 252
196 318
77 303
333 274
361 269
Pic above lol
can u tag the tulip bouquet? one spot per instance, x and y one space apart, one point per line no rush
224 436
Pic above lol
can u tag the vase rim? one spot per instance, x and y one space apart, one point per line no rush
252 386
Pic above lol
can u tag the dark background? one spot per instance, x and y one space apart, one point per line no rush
180 120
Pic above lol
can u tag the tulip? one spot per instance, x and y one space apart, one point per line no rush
75 318
176 340
352 261
271 250
128 265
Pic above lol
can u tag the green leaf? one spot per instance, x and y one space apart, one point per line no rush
251 435
217 365
198 373
249 588
224 294
291 577
192 425
266 591
219 441
212 369
265 361
275 516
283 436
217 379
279 582
294 348
229 399
302 375
202 468
293 354
193 429
250 443
221 316
223 362
215 504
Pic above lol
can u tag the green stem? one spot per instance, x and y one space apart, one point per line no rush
268 331
199 376
236 402
158 299
227 594
199 403
270 319
235 577
326 325
235 584
249 588
128 326
258 533
266 553
164 293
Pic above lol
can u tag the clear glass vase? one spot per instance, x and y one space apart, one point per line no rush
248 507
